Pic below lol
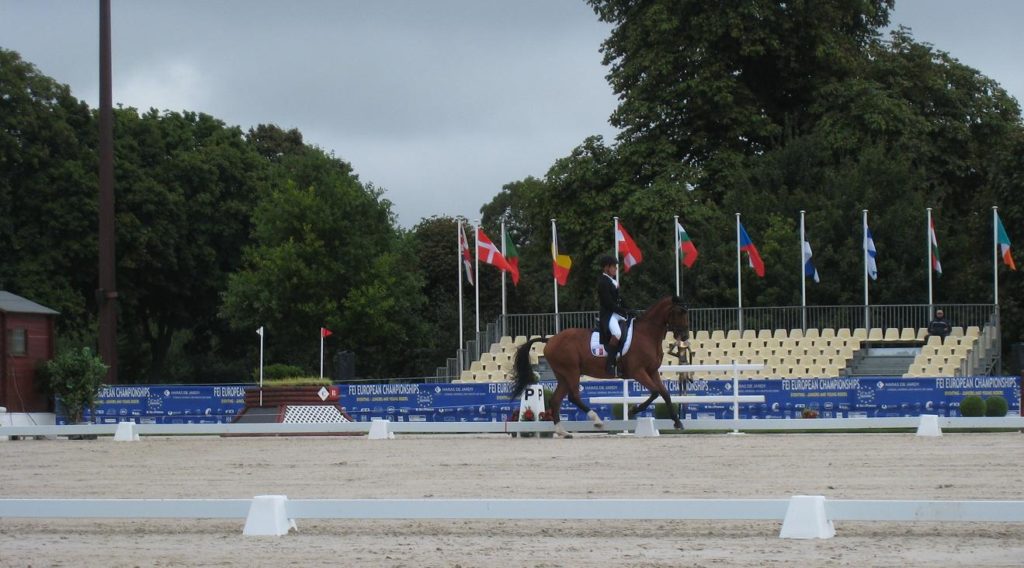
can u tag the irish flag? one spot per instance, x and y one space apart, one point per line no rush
686 247
512 258
1004 244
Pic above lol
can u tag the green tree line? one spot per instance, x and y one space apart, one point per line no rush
761 107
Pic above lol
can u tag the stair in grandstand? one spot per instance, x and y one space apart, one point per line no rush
882 361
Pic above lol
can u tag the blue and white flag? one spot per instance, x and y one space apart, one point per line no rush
809 270
871 255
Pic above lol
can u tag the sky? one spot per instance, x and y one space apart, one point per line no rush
438 102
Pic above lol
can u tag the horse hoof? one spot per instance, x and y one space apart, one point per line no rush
595 419
678 425
560 432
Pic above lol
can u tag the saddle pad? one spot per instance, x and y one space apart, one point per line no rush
597 350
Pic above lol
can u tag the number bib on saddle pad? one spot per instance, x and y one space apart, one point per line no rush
597 350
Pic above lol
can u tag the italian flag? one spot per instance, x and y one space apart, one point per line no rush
936 265
686 247
512 259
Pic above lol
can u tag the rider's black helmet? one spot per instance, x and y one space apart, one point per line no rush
608 260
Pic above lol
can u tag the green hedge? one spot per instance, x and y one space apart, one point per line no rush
996 406
972 406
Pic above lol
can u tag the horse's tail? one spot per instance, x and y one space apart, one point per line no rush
524 370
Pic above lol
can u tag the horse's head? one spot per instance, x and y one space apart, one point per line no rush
678 321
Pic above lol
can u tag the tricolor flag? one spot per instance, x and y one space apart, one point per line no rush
809 270
626 246
1004 244
753 256
871 258
467 259
489 253
686 246
936 265
324 332
512 258
560 263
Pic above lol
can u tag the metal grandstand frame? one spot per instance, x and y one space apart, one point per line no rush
915 316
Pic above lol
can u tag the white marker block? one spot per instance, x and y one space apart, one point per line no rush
268 516
806 518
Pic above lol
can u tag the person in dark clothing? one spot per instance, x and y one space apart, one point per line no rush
939 327
613 310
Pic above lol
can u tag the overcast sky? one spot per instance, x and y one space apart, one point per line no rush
439 102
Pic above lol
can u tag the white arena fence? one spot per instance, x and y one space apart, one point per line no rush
274 515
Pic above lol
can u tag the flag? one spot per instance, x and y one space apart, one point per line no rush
324 332
512 258
489 253
631 254
753 256
686 246
259 331
936 265
467 260
872 255
809 270
560 263
1004 244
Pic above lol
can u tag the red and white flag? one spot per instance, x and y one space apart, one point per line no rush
467 259
489 253
324 332
631 254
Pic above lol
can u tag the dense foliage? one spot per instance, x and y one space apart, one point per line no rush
757 107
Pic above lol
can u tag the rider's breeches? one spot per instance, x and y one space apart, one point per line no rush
613 325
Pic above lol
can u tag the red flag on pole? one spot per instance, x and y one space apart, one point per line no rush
324 332
631 254
488 252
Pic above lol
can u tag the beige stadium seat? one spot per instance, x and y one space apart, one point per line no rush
733 334
780 334
796 334
702 335
891 334
956 331
811 333
907 334
876 334
717 335
466 376
922 333
844 333
520 339
933 340
506 340
972 331
828 333
764 334
860 333
748 334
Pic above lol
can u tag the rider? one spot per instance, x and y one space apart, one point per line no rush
613 310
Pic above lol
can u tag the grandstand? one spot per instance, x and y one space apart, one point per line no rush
789 352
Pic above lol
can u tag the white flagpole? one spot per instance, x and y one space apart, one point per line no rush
995 255
675 231
554 280
504 310
864 245
803 273
476 269
928 238
260 331
739 276
458 260
615 245
321 352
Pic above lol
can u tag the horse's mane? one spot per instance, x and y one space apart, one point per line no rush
656 307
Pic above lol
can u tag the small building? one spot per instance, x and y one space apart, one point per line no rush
26 334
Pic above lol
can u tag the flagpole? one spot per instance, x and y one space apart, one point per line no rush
675 231
803 274
739 276
476 269
554 279
864 245
615 246
321 352
261 365
995 255
928 238
504 310
458 260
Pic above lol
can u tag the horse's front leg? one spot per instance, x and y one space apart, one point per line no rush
643 405
663 390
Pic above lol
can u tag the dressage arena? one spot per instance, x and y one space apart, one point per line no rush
974 466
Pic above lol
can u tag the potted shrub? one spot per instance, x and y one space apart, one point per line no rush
972 406
996 406
76 376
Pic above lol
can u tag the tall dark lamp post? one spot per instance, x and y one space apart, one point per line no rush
106 295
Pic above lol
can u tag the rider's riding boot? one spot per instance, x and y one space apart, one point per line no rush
613 351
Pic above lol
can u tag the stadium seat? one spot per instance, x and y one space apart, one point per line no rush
702 335
891 334
907 334
828 333
922 333
796 334
972 331
844 333
811 333
733 334
749 334
717 335
859 333
957 331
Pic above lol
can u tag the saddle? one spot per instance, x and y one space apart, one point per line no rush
597 349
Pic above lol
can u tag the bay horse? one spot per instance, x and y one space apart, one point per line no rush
568 353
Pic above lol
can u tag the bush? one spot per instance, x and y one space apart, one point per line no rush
995 406
76 376
278 371
972 406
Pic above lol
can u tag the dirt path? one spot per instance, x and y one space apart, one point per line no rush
863 466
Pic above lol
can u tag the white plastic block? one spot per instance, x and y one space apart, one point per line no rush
380 430
268 516
126 432
929 426
645 428
806 518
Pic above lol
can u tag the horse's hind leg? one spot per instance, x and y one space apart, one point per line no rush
556 407
574 396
